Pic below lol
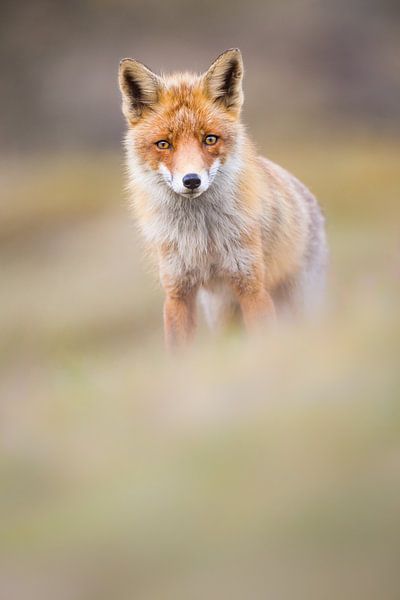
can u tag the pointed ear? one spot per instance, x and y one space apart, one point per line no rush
139 88
223 80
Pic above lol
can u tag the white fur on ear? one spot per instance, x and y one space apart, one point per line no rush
224 78
139 88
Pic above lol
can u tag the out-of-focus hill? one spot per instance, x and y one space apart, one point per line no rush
310 64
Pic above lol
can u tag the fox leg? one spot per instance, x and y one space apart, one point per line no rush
256 307
180 287
255 302
179 318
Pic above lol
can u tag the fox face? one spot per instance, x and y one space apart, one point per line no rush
183 127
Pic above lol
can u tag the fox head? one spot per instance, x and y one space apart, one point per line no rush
183 127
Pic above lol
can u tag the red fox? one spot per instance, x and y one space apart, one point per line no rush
229 228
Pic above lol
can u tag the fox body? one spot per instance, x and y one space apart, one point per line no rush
228 227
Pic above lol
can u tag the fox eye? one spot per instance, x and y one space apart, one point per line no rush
163 145
210 140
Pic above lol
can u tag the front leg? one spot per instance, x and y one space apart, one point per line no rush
180 286
179 317
255 302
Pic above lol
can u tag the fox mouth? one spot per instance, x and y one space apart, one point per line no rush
192 193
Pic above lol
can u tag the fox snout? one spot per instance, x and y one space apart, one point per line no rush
188 182
191 181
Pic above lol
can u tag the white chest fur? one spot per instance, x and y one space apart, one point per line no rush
205 234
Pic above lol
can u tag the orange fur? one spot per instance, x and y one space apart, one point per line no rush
252 234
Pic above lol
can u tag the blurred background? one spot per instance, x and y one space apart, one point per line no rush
265 468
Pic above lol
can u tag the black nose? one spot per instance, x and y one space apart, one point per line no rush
191 181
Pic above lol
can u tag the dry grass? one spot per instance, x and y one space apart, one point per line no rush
256 468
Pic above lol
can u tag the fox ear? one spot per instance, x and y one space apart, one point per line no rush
223 80
139 88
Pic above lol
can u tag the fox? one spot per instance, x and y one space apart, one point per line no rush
231 231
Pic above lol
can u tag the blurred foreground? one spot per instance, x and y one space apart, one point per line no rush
249 468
